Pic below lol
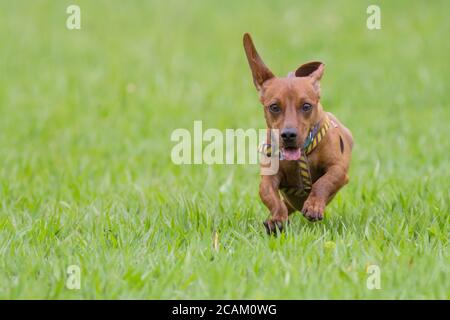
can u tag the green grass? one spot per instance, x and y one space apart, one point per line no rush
86 176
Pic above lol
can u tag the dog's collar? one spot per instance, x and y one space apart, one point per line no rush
315 136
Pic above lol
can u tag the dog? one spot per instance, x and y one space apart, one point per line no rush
314 147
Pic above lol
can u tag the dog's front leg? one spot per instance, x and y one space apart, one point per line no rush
268 191
323 190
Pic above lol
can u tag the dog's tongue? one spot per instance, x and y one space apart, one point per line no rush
291 154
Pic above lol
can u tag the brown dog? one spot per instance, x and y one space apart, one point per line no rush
315 148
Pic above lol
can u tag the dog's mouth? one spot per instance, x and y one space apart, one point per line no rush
291 153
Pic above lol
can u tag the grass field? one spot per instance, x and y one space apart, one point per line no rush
86 177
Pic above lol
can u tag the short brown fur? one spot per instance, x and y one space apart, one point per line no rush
330 160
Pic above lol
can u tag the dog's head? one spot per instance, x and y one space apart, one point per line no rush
291 104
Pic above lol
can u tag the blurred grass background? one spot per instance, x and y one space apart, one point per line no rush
86 176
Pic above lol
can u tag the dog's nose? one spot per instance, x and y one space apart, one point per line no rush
289 134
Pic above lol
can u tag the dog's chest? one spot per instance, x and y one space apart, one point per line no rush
290 175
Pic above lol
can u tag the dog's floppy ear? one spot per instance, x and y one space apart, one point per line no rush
313 70
259 70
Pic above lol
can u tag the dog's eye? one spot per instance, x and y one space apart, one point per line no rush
306 107
274 108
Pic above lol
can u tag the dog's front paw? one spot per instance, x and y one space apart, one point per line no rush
274 225
313 209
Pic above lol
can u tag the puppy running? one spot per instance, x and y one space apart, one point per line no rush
315 148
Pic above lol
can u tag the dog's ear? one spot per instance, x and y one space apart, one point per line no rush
313 70
259 70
